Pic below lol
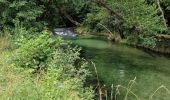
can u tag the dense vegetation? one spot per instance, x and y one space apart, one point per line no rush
36 65
40 69
137 21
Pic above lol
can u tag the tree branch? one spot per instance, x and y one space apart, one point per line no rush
63 11
99 2
162 13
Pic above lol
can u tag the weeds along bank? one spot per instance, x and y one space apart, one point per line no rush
37 66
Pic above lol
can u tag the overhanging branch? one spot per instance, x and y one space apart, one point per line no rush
162 13
113 13
63 11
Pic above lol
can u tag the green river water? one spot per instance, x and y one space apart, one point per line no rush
118 64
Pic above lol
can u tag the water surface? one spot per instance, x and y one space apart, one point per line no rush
118 64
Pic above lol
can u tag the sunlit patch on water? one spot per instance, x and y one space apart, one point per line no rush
122 73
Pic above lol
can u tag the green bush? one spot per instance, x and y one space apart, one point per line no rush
57 77
35 52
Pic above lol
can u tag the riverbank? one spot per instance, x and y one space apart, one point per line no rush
55 82
162 45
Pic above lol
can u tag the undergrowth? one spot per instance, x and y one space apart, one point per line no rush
41 69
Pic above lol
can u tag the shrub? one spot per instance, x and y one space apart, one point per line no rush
57 79
34 52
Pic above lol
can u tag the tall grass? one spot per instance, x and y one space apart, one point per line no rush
4 42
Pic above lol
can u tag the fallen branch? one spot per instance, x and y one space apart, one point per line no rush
163 36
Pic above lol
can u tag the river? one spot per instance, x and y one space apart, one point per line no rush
117 64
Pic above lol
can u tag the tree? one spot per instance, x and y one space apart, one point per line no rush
135 19
25 11
34 12
165 6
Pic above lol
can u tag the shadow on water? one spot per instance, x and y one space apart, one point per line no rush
118 64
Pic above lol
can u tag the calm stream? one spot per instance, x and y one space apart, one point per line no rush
118 64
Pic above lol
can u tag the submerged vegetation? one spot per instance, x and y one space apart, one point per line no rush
35 64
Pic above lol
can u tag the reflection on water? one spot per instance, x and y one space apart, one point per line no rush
122 73
118 64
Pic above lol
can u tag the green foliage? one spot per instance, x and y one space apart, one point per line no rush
165 6
134 20
25 11
36 51
38 13
137 13
57 75
61 79
142 21
96 17
53 85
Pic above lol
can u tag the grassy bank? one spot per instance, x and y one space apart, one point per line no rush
59 81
